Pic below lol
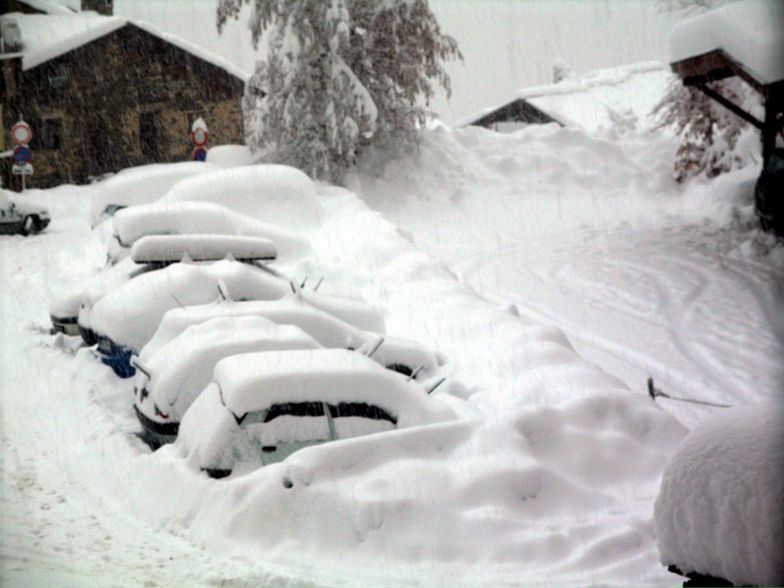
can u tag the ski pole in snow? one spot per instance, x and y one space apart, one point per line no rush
654 392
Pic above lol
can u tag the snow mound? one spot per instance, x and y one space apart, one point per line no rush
719 510
749 31
230 156
141 185
277 194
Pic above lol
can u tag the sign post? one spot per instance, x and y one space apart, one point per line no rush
199 136
22 134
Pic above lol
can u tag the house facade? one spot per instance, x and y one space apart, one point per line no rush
122 94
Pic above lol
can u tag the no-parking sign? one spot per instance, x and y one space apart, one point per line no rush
199 154
23 155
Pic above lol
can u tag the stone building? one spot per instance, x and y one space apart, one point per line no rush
102 93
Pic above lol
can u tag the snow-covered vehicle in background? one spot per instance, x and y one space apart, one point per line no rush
125 319
21 218
141 185
277 194
70 312
395 353
170 381
262 407
196 218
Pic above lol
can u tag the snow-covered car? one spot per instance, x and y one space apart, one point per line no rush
170 381
21 218
65 309
70 312
396 353
125 319
262 407
141 185
171 375
276 194
197 218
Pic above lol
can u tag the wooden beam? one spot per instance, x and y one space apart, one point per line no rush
731 106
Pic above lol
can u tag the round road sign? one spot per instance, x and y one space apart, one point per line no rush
21 133
199 136
199 154
23 155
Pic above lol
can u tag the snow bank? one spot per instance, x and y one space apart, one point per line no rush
183 367
719 510
230 156
203 218
749 31
141 185
173 248
276 194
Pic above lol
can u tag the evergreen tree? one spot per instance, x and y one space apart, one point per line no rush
339 75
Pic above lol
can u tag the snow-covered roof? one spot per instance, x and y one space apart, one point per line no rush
54 6
749 31
47 36
586 101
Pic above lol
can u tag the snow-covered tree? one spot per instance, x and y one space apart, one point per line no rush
339 74
708 131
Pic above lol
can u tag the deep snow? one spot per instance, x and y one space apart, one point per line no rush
551 471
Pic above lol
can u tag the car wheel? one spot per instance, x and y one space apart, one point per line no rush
28 225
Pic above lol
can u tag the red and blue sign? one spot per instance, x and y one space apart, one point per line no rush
23 155
199 154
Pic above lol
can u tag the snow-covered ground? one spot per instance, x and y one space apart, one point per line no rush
478 245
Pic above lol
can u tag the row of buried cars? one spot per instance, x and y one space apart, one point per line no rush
233 358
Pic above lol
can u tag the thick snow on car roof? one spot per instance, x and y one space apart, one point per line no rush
172 248
130 314
142 184
277 194
185 365
291 310
749 31
161 218
252 382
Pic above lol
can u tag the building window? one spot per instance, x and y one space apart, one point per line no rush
50 133
149 136
58 79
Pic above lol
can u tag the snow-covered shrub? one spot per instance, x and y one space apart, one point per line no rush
719 510
339 75
710 135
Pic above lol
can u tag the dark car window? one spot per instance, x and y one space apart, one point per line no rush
300 409
360 409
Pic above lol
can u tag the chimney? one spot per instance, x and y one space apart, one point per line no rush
105 7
